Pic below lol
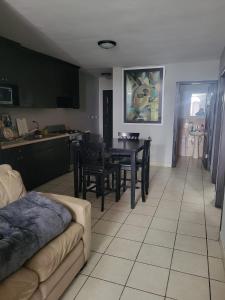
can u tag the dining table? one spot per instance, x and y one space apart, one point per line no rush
115 146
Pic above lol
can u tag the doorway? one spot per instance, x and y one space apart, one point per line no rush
194 121
107 115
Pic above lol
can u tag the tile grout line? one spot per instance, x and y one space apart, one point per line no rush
207 251
89 276
113 238
160 267
125 285
185 180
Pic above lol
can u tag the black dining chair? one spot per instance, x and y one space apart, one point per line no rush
143 163
124 136
94 163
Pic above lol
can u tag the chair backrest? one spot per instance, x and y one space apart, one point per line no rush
91 137
92 154
128 136
146 151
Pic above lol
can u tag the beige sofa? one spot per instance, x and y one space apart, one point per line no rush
49 272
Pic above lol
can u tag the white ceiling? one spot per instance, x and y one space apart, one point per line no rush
148 32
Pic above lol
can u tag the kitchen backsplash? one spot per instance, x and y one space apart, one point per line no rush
75 119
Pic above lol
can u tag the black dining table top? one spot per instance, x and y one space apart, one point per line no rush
117 145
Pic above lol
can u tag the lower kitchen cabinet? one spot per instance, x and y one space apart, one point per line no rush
39 162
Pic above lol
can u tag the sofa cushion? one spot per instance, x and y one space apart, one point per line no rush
81 213
11 185
45 262
58 281
20 285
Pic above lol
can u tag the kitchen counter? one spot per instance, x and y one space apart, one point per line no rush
23 141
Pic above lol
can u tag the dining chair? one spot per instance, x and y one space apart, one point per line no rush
124 136
94 163
143 163
90 137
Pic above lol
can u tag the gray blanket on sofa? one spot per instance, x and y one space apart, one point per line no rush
26 225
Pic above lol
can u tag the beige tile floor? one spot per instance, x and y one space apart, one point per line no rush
166 248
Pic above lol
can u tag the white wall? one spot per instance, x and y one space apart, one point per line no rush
162 135
222 61
85 118
104 84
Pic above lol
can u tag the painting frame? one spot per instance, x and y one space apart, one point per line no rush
150 107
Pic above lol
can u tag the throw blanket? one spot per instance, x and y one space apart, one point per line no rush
26 225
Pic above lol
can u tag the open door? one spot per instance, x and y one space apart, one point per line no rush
210 110
194 113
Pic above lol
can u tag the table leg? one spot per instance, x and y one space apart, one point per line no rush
133 179
76 175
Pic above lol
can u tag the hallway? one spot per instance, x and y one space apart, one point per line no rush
166 248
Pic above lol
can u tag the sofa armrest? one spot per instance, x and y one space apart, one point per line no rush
81 213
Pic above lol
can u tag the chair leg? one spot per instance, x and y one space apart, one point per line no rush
103 192
147 181
108 182
118 181
98 186
124 180
113 179
80 179
143 184
88 180
84 186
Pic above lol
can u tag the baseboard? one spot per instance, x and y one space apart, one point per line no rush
160 164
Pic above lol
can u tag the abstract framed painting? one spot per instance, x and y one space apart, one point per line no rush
143 93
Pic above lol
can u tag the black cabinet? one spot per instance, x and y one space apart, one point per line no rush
39 162
43 81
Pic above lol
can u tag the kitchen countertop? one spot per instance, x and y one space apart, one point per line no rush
22 141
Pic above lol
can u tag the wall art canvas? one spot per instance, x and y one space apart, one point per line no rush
143 90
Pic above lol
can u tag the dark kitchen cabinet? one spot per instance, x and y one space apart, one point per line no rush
9 62
42 80
37 82
39 162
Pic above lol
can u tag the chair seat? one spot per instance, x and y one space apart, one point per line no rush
95 169
127 162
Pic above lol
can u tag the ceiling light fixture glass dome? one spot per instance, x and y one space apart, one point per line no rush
107 44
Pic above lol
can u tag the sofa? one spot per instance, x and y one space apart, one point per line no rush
50 271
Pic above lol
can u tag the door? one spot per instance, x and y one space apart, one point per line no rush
210 109
220 177
176 127
184 91
107 115
217 128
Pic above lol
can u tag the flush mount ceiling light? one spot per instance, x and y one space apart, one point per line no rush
107 44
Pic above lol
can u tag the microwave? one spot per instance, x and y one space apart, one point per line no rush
9 94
